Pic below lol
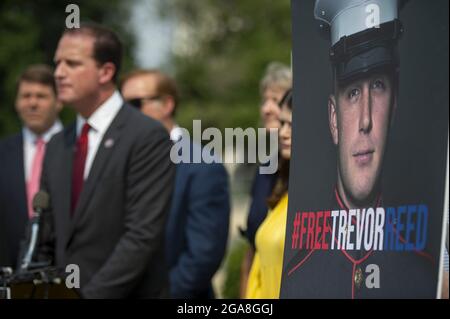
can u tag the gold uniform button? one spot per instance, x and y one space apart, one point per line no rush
358 277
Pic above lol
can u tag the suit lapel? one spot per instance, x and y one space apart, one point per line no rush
105 149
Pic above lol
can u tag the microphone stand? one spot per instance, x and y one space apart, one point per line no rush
34 225
5 275
40 204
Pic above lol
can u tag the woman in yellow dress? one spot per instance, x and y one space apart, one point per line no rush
265 274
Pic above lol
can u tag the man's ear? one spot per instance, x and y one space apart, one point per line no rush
332 118
107 71
168 105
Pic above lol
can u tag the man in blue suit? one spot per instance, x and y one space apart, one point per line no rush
197 228
21 156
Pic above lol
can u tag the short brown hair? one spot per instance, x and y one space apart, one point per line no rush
165 84
38 73
107 45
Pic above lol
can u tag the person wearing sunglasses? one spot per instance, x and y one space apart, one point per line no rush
198 221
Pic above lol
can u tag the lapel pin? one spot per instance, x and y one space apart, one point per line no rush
109 143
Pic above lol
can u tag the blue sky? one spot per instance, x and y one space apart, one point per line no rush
153 35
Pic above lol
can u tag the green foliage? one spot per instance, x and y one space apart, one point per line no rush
29 33
221 58
232 269
220 50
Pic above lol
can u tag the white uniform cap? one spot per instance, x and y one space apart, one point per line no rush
347 17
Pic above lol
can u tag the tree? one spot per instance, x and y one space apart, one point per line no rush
29 33
220 50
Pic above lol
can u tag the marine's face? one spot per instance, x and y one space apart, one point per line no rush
360 116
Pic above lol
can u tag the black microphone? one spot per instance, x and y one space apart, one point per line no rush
41 202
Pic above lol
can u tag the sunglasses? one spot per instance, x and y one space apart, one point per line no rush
138 102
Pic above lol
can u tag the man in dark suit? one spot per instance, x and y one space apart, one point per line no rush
197 228
21 156
109 177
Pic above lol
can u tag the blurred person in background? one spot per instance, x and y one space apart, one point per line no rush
22 154
265 274
276 81
198 221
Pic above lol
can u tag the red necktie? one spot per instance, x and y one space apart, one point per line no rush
78 165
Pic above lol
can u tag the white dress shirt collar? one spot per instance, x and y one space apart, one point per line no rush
100 120
31 137
29 144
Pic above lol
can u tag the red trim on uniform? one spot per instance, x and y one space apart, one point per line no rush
342 206
378 201
364 258
338 198
354 262
418 252
300 263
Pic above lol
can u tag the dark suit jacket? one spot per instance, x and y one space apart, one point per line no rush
116 233
13 199
197 229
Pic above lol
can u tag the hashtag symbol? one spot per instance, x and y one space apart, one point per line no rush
295 232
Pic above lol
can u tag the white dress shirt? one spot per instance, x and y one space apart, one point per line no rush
29 144
99 122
